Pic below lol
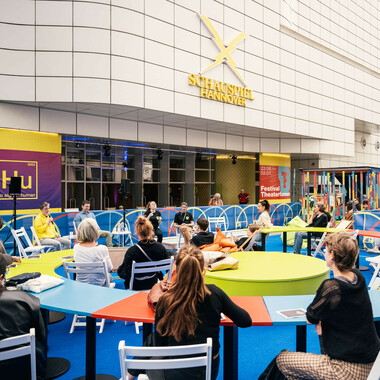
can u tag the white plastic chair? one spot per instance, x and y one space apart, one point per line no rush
375 371
375 263
219 221
195 349
23 252
37 240
86 268
10 348
151 267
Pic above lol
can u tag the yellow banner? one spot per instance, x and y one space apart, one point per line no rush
13 139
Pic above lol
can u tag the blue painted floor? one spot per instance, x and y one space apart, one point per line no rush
257 345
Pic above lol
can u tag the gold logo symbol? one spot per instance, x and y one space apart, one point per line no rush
225 50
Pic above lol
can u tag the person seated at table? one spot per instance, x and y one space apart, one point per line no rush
318 219
147 249
357 204
154 216
46 230
201 235
19 312
184 221
189 312
252 228
8 258
88 251
85 214
342 314
264 218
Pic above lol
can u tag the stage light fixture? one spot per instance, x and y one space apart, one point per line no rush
107 150
234 158
159 154
198 157
125 166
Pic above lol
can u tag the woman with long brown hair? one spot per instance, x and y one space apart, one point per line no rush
189 313
147 249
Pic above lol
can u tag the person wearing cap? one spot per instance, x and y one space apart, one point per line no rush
19 312
184 221
8 258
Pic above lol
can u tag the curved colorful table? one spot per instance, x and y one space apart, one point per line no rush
271 274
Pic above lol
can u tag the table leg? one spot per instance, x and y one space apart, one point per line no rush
309 243
263 236
230 353
284 241
91 354
301 338
147 330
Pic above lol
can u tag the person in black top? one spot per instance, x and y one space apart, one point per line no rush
147 249
19 312
342 314
184 221
319 219
250 230
154 216
201 236
189 312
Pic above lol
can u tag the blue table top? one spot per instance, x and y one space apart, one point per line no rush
79 298
277 303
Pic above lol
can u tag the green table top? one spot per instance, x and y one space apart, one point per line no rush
271 267
45 264
273 229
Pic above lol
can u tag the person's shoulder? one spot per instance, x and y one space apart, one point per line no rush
19 295
158 213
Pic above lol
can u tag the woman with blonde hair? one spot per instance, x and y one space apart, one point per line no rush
189 313
87 250
147 249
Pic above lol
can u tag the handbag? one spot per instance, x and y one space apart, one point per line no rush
21 278
224 263
156 292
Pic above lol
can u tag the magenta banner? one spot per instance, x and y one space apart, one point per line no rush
40 178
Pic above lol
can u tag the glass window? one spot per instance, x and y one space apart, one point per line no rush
108 175
93 147
75 173
153 162
131 175
93 174
75 156
63 173
108 161
177 162
202 176
92 159
202 163
177 176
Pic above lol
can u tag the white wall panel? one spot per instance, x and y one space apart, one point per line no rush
16 62
19 117
91 40
234 142
123 129
54 12
216 140
91 90
54 64
51 89
54 38
91 65
57 121
10 12
17 36
92 15
126 20
196 138
17 88
127 69
92 126
127 45
173 135
127 93
150 132
159 99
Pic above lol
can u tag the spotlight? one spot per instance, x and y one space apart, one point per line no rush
159 154
77 145
107 150
198 157
125 166
234 158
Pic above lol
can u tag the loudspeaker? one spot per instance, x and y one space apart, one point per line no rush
125 187
15 186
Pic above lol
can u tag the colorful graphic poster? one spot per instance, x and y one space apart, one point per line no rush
21 155
275 177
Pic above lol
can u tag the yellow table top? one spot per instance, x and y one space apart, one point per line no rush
271 266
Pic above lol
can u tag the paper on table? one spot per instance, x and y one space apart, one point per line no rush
292 313
33 257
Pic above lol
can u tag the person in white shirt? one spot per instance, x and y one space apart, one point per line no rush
88 251
264 219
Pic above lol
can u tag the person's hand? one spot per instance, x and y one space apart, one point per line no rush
58 236
17 259
50 220
318 328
